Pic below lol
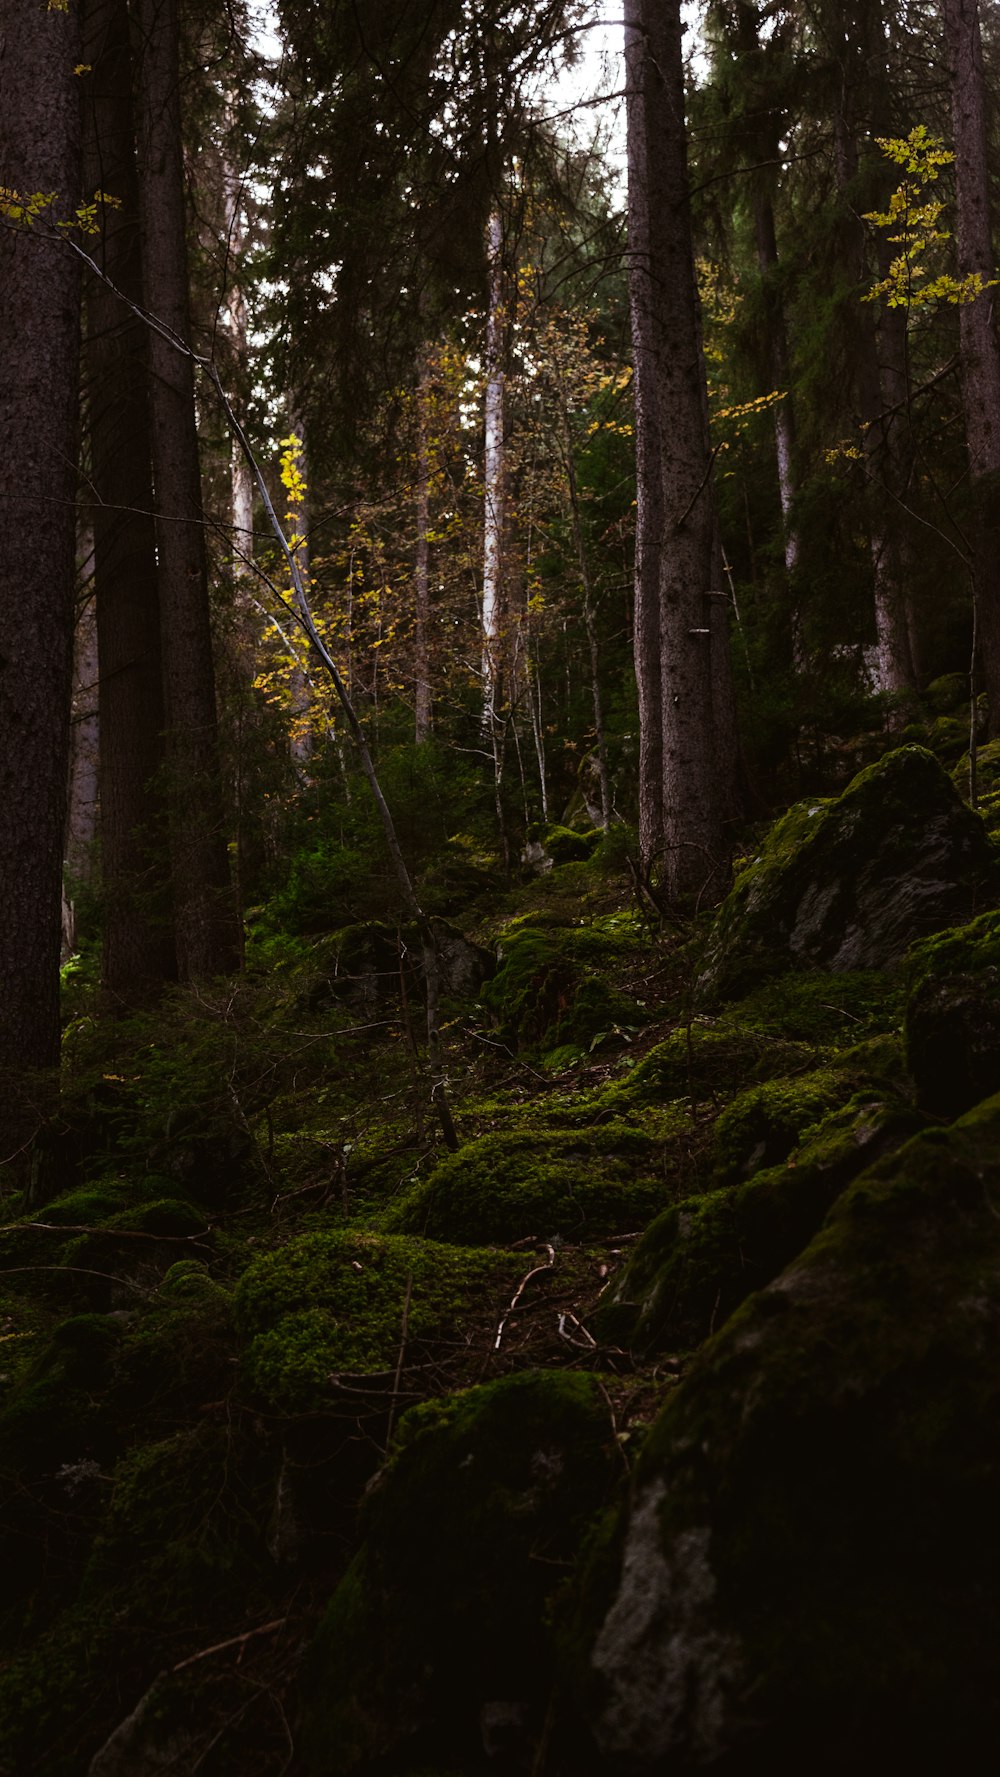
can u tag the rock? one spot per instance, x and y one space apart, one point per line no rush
810 1571
364 964
574 1184
548 991
765 1123
437 1638
701 1258
849 884
953 1017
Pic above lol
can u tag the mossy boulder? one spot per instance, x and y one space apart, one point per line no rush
700 1259
810 1578
953 1017
435 1647
704 1061
549 991
575 1184
328 1305
848 884
764 1123
368 965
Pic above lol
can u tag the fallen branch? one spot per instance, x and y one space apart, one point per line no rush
219 1647
519 1292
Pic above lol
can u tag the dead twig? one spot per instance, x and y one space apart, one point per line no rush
519 1292
399 1361
220 1647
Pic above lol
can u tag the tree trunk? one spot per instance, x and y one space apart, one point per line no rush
681 803
206 926
39 327
138 934
422 569
83 801
493 472
300 690
980 355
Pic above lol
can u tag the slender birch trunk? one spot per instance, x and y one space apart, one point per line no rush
493 471
587 591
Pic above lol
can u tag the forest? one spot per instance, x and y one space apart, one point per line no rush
499 888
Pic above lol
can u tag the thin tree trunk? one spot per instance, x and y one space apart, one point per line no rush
84 743
206 926
670 381
493 470
979 351
586 588
422 568
300 690
39 327
138 953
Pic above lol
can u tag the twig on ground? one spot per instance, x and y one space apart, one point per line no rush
519 1292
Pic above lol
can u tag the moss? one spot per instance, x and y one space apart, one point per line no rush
947 693
327 1304
183 1535
49 1694
567 845
54 1412
846 884
428 1631
953 1016
508 1186
707 1061
765 1123
547 992
700 1259
829 1467
828 1011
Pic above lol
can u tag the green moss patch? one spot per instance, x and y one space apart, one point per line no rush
548 992
764 1124
328 1304
511 1185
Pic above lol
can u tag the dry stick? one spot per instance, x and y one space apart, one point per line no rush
519 1292
302 612
234 1641
399 1361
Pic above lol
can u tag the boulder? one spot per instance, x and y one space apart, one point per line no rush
953 1017
849 883
809 1576
701 1258
435 1650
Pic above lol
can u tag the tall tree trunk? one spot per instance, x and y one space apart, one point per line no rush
861 47
300 689
84 740
587 591
206 925
681 799
39 327
493 469
422 568
138 932
980 354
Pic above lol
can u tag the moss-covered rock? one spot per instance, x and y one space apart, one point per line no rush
953 1017
435 1647
542 1182
332 1304
700 1259
764 1123
548 990
848 884
811 1570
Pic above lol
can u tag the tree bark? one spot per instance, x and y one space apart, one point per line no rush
39 327
422 569
978 338
681 792
138 930
493 471
206 925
